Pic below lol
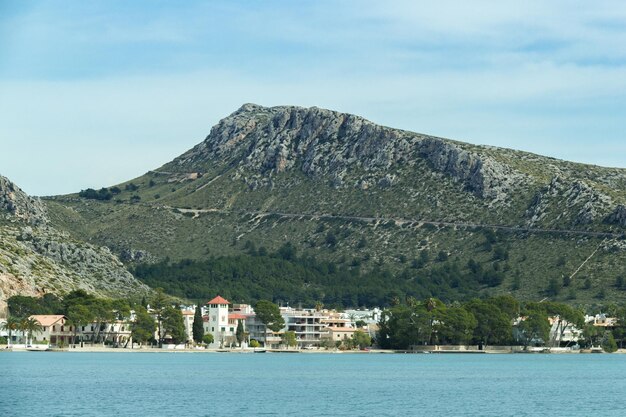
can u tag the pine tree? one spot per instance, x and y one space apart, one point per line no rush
240 332
198 326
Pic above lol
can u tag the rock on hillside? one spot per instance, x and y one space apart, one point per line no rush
36 258
15 202
261 142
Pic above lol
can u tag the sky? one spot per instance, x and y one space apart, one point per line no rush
93 93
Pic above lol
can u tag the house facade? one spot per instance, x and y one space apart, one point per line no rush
54 330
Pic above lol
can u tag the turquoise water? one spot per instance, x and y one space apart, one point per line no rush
203 384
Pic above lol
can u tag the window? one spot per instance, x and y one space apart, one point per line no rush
223 329
232 329
212 329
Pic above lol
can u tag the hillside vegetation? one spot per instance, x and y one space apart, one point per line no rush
367 198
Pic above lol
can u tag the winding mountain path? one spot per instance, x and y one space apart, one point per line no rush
402 221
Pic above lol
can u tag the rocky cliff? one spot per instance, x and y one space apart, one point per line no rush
36 258
16 203
261 142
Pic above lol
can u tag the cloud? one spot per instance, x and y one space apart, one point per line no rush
90 89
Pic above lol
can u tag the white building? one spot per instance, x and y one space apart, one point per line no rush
54 330
306 324
188 316
217 322
117 333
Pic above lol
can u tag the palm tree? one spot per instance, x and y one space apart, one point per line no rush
31 325
12 323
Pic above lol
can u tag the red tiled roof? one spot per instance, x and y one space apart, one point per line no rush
47 320
219 300
236 316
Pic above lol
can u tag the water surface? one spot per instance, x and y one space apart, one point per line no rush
271 384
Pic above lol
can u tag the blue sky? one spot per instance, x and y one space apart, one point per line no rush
93 93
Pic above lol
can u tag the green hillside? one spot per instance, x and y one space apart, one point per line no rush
369 198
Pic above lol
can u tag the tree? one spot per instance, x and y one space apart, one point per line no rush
608 343
79 315
553 288
534 327
12 324
240 333
159 302
269 314
198 325
493 326
289 339
30 325
361 339
24 306
173 324
207 339
567 280
331 239
456 326
565 316
142 330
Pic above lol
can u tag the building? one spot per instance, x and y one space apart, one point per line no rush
217 322
116 333
306 324
258 331
188 316
54 330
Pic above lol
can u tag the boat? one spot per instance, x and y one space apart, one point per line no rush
37 348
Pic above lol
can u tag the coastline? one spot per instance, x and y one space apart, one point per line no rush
104 349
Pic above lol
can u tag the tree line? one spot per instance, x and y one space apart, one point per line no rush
501 320
82 309
284 276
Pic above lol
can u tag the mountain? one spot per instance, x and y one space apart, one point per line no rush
362 196
36 258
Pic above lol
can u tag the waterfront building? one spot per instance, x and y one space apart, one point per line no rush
116 333
306 324
54 330
188 316
217 322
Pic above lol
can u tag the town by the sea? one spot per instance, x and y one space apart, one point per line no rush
300 384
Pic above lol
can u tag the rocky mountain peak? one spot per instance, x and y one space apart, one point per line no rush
16 203
347 150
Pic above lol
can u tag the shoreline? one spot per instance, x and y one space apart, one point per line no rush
103 349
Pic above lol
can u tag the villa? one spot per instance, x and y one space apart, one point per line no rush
55 330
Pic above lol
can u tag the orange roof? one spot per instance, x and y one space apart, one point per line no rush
219 300
342 329
48 320
236 316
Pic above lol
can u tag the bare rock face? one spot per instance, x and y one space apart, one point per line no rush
617 216
483 176
35 258
15 202
261 142
576 203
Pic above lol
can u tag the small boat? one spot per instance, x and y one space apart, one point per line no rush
259 350
37 348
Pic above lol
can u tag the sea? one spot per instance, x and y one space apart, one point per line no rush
279 384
